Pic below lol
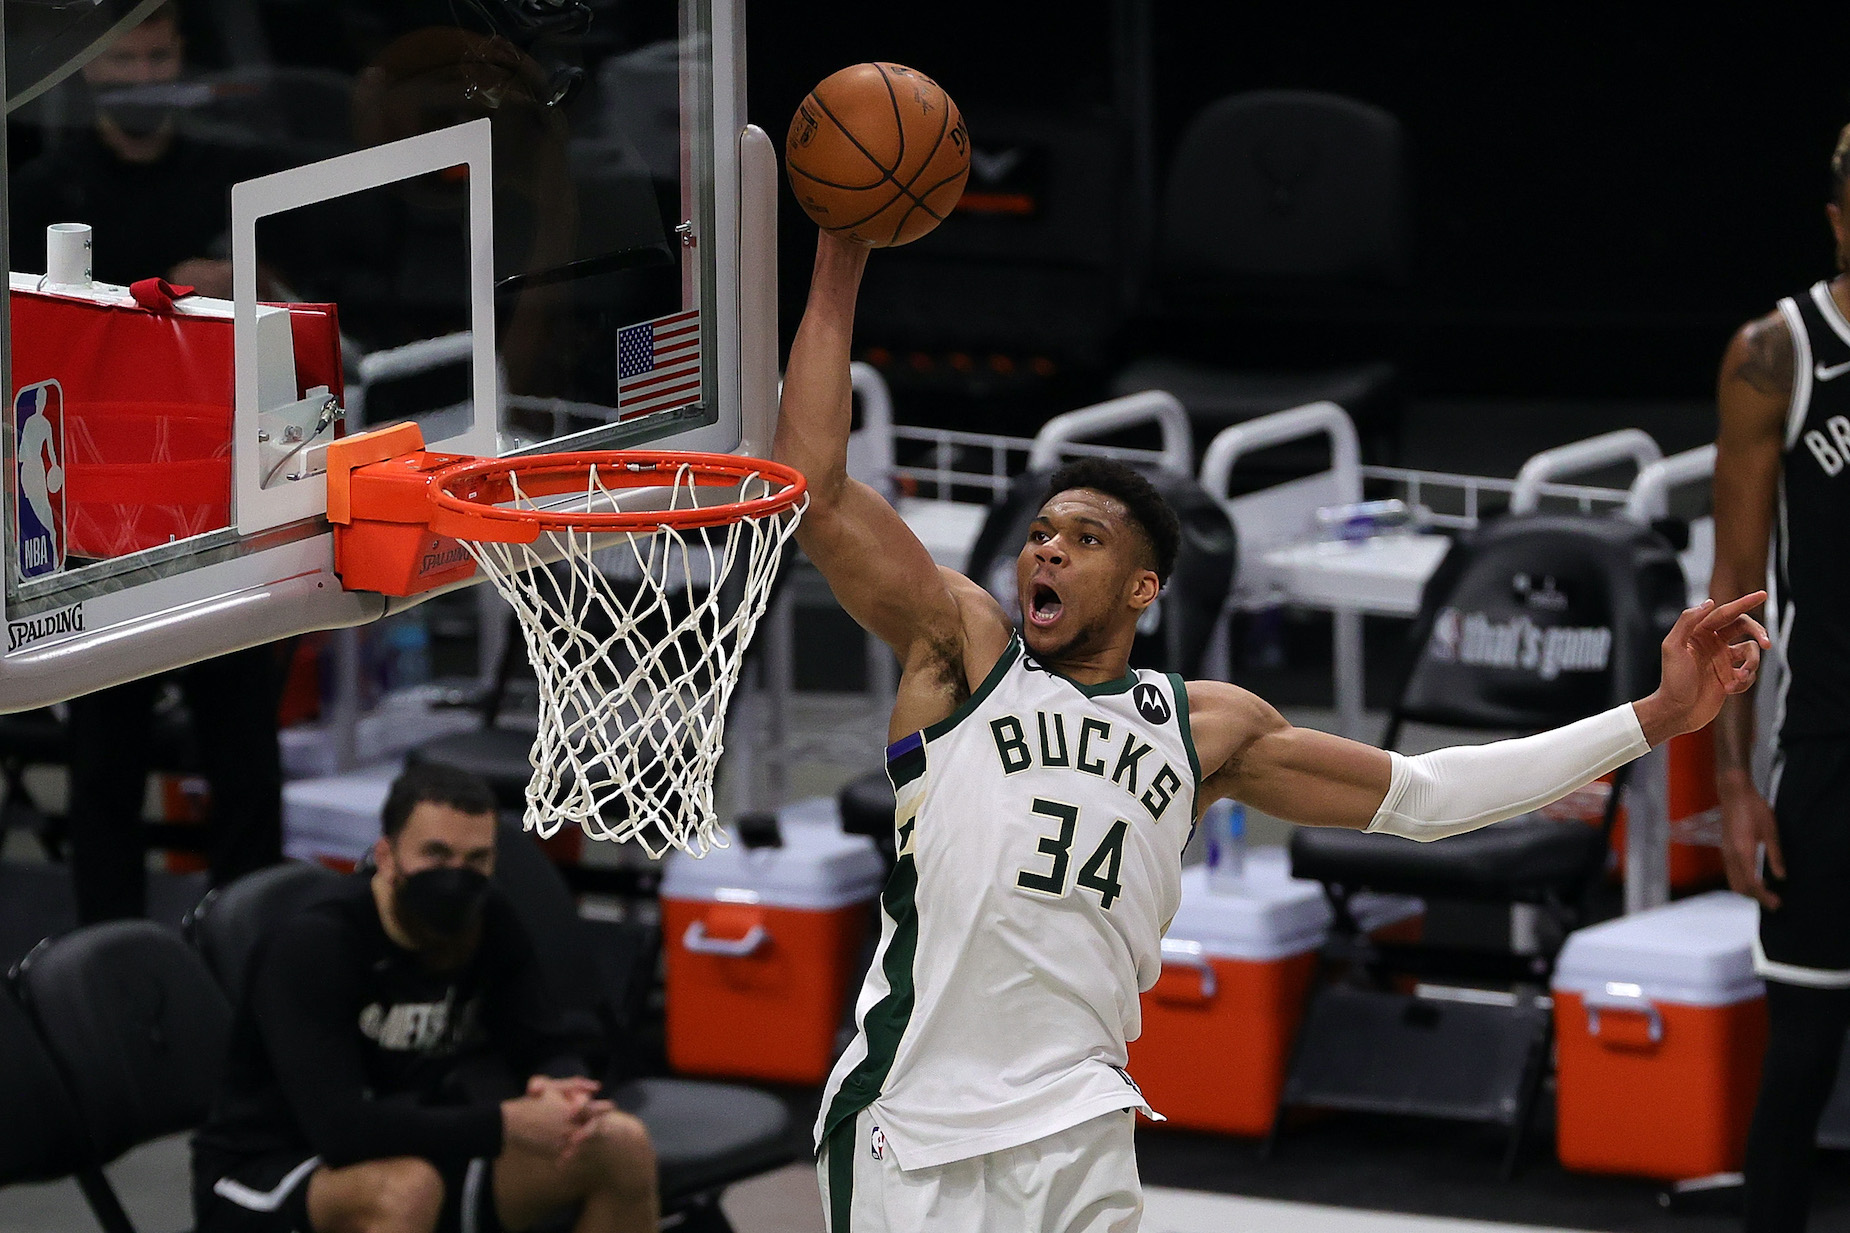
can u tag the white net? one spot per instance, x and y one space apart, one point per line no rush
637 641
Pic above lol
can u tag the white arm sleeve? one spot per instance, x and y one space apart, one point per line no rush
1451 791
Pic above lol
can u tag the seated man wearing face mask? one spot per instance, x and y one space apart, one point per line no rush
344 1105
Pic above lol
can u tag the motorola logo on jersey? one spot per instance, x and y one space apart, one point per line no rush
1476 641
1150 704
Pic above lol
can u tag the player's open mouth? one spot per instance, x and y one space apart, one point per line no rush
1043 605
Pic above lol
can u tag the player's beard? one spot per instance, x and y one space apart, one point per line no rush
1080 643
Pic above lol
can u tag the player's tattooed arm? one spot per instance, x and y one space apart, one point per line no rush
1753 399
1763 357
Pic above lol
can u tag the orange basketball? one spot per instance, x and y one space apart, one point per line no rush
878 153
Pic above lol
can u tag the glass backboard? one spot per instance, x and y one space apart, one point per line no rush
521 224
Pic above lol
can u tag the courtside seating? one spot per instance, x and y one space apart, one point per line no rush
229 922
1281 245
706 1135
1598 595
138 1032
501 756
41 1139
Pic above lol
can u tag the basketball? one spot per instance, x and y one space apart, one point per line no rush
878 153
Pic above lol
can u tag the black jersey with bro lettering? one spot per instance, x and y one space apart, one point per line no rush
1811 611
347 1046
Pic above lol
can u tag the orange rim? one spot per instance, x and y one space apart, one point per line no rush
472 492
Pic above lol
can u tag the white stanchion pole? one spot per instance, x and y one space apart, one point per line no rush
67 255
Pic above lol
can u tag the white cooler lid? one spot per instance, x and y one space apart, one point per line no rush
817 868
1269 916
338 814
1695 952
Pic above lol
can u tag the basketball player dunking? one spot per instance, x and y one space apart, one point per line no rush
1783 447
1045 793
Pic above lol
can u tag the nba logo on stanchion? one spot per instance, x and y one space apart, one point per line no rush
38 480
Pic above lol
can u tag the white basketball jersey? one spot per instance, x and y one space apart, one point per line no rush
1040 828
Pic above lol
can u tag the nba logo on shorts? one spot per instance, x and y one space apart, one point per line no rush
38 479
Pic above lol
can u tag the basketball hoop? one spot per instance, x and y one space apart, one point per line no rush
636 620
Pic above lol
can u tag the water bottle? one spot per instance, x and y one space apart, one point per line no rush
1226 840
1364 519
406 653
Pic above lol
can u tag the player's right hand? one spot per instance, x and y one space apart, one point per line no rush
1748 828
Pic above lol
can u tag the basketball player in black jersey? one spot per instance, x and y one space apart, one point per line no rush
1782 478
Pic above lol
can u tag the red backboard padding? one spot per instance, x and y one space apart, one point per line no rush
148 411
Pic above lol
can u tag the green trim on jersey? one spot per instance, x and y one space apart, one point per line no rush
1188 734
886 1022
841 1176
1010 654
1103 689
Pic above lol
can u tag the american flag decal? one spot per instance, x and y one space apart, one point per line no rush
658 364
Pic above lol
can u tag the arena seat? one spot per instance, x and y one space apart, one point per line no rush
706 1135
138 1031
229 922
41 1138
1489 658
1282 242
42 738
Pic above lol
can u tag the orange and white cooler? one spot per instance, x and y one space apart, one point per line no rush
1237 967
1661 1024
760 947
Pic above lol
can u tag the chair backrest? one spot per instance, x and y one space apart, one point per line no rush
40 1136
137 1025
229 923
1540 620
581 974
1191 602
1279 187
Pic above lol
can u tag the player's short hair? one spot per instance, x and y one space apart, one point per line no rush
463 791
1840 166
1150 514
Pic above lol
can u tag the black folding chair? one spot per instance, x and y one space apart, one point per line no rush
706 1135
1280 263
1529 623
229 922
138 1032
41 1139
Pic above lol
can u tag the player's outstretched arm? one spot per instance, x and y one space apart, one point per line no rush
1249 752
875 565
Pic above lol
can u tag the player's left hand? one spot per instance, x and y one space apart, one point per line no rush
1712 651
577 1090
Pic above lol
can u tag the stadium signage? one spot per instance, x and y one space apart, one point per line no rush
1518 644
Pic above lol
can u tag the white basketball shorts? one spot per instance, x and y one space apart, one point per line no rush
1081 1180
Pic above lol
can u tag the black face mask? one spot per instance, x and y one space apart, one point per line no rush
137 120
442 904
